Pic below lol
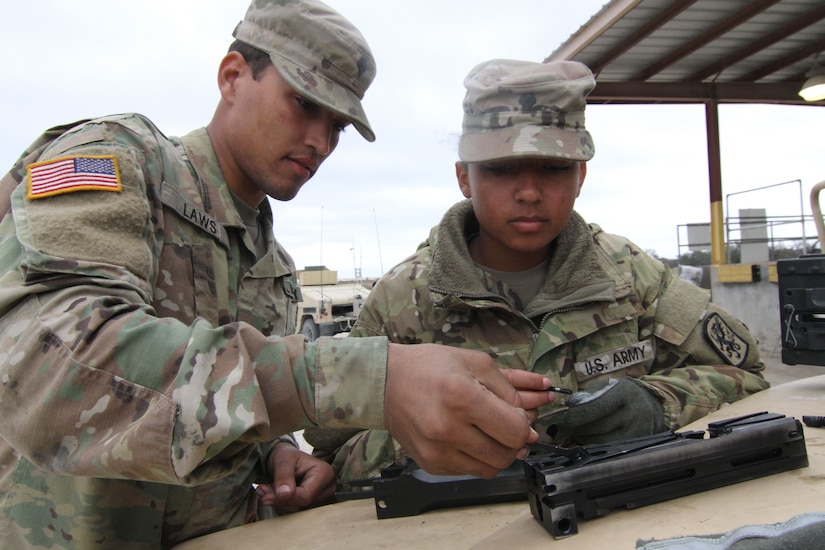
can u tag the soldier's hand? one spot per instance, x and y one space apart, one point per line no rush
613 410
299 480
454 411
531 389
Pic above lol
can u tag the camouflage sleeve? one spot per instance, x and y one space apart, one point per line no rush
361 330
365 454
377 313
358 454
398 305
705 357
328 442
94 384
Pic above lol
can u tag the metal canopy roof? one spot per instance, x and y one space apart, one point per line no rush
696 51
701 51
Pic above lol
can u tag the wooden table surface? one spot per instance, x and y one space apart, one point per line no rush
771 499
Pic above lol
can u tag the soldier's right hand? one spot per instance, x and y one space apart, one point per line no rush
454 411
532 389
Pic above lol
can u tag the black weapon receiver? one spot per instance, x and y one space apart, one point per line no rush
409 490
567 484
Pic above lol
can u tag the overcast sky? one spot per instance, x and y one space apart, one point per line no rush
371 204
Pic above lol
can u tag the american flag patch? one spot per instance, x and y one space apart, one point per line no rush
69 174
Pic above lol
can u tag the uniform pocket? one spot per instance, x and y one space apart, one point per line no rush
185 287
270 304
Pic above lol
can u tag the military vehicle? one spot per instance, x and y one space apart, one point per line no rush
328 306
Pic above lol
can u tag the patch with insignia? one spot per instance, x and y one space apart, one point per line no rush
729 345
69 174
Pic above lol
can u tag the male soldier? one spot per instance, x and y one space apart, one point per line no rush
516 272
144 372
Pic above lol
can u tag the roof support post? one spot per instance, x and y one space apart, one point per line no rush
717 214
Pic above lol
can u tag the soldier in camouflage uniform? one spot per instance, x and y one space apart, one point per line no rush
145 375
516 272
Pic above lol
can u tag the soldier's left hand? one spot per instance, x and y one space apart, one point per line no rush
299 480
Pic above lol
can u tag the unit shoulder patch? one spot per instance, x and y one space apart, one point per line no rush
70 174
730 346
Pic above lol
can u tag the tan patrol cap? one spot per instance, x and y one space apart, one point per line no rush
526 109
317 51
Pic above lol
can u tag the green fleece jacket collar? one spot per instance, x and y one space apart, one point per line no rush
578 270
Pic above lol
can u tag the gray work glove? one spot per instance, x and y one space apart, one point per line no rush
620 409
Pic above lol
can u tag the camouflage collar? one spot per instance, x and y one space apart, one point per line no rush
212 193
577 272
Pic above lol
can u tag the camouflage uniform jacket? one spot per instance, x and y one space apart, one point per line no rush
144 371
607 309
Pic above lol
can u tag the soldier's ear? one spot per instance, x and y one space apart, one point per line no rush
462 174
582 174
231 68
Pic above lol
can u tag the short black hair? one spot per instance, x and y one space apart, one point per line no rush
257 59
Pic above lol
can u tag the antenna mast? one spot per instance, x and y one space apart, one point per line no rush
378 238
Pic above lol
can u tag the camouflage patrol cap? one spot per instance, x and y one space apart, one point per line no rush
317 51
526 109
